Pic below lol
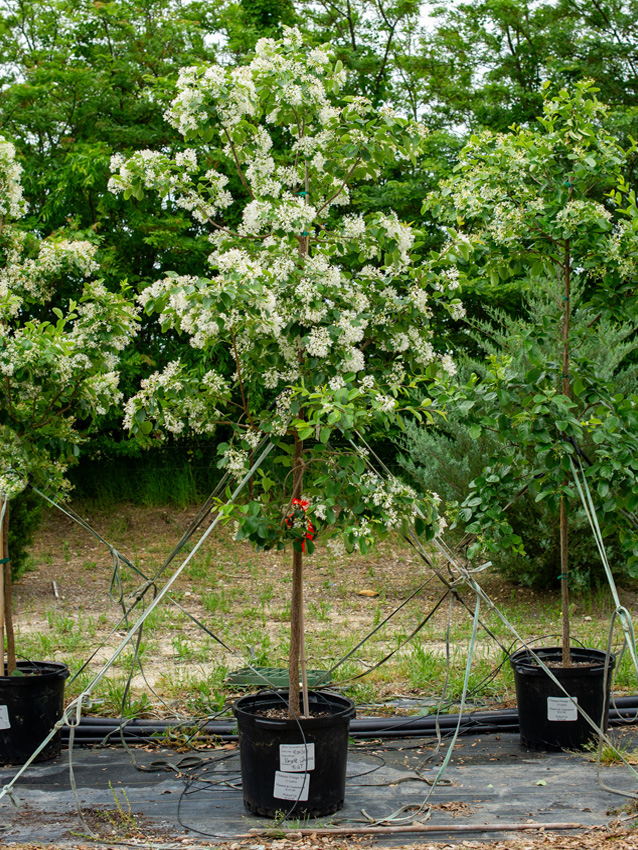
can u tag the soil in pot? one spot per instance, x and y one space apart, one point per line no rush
548 718
30 705
293 767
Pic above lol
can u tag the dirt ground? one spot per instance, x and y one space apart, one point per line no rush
72 574
614 838
68 590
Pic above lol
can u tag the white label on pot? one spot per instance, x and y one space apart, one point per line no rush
5 723
297 758
291 786
562 708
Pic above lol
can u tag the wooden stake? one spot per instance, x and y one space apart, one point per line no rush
304 670
567 391
297 643
296 606
8 596
296 602
564 587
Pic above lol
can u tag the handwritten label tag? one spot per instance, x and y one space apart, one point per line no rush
561 709
5 723
297 758
291 786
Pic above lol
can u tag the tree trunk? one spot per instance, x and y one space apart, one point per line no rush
2 505
296 604
566 389
8 596
564 566
297 648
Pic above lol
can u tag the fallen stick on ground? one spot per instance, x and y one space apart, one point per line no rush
419 827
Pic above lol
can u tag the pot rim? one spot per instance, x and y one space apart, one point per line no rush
242 710
36 670
522 661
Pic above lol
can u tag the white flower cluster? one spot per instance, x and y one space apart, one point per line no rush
236 462
319 342
253 438
619 252
57 366
508 224
578 214
396 500
23 277
12 204
457 310
321 313
402 234
447 364
449 279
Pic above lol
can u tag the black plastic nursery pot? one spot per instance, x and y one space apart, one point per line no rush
30 705
548 719
293 767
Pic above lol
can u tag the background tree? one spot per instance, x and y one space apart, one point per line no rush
484 63
57 363
552 201
448 458
83 82
246 21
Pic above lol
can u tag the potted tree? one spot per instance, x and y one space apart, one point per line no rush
549 204
325 318
57 373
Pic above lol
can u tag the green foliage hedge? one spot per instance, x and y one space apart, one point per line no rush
25 515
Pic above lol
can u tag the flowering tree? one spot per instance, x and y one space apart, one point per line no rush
324 313
552 202
57 368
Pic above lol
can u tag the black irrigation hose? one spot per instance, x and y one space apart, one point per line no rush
93 730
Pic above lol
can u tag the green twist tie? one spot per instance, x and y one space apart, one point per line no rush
563 575
305 233
5 560
302 193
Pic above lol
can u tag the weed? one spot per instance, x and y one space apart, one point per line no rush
188 649
113 700
206 698
424 668
216 603
320 609
266 594
610 755
630 809
362 692
121 819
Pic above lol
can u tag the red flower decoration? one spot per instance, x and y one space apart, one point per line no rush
300 506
